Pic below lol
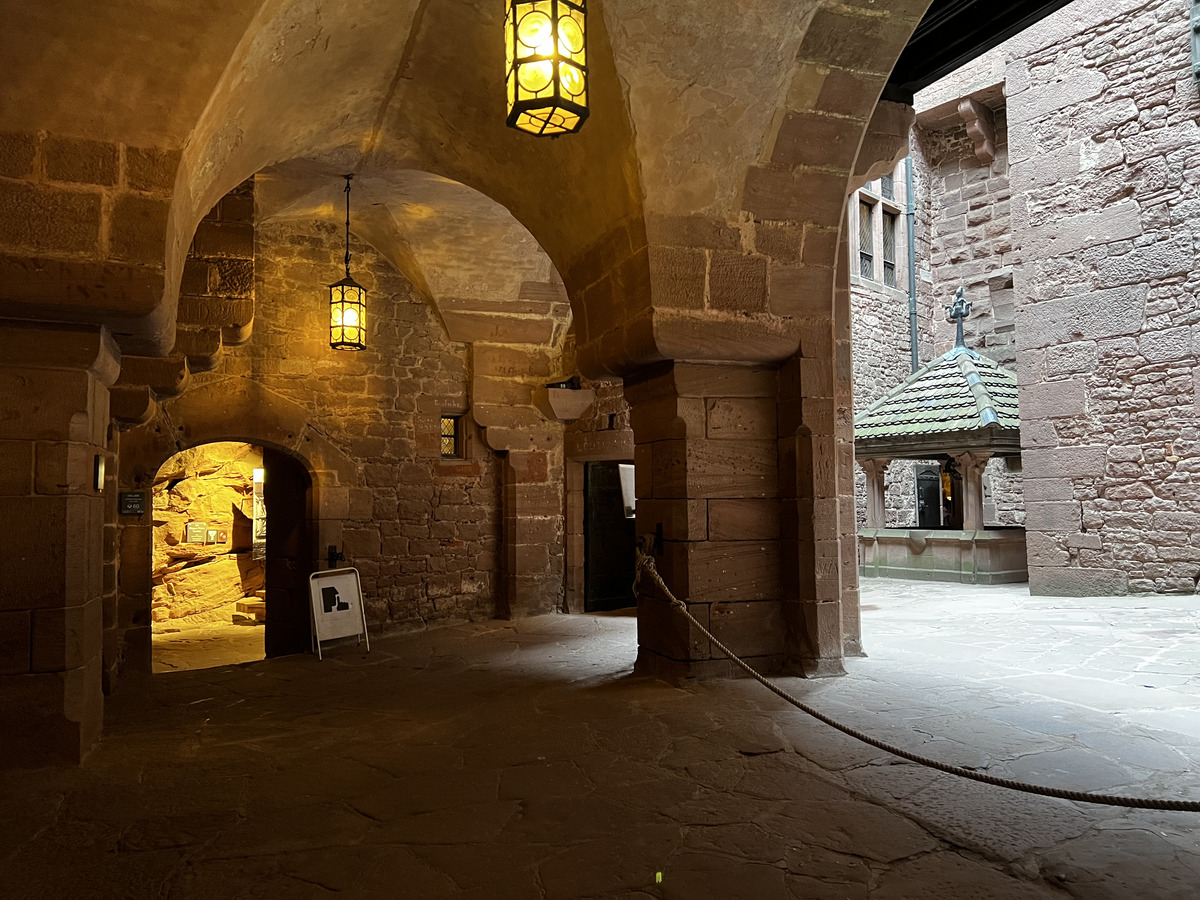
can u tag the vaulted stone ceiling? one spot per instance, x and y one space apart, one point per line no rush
686 97
452 242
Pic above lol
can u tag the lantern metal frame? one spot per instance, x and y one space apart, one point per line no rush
546 76
347 300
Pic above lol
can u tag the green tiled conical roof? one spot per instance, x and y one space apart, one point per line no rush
960 401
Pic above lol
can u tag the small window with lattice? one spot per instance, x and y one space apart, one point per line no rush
866 241
451 437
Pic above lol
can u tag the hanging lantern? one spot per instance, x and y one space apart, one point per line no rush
347 302
546 44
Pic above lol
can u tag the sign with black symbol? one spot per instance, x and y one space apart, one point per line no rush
132 503
335 602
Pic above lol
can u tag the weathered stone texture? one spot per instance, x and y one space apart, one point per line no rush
968 242
1103 146
423 532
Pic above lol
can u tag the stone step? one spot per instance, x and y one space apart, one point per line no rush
255 608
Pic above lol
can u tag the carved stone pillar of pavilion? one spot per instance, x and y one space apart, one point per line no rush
876 470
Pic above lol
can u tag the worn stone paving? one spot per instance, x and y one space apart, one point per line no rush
208 645
524 759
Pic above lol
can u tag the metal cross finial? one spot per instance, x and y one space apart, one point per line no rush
957 312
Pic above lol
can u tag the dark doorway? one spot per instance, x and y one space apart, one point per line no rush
952 499
929 497
609 540
291 555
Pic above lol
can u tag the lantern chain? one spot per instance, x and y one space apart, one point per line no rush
348 178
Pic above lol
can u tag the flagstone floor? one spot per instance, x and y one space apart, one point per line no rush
524 759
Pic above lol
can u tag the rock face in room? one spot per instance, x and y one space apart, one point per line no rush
201 580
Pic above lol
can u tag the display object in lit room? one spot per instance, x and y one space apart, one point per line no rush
347 302
546 75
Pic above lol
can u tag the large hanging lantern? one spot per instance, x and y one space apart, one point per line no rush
347 302
546 44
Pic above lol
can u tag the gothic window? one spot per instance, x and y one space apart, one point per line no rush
887 187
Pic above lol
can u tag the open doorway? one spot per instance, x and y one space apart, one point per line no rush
231 556
609 538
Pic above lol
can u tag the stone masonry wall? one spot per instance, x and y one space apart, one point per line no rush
970 238
964 206
1106 209
882 359
422 531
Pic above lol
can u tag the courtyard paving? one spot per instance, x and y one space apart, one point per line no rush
525 760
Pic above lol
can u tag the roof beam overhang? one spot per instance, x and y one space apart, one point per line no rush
954 32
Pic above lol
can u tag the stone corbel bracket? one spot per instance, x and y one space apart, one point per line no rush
563 404
981 128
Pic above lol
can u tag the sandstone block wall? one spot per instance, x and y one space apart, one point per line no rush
1102 133
84 226
422 531
969 242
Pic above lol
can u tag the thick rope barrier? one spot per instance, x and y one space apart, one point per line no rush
645 563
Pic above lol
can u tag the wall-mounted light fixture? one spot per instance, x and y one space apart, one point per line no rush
546 76
347 302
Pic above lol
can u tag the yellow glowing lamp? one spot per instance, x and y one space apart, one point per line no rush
347 302
347 315
546 45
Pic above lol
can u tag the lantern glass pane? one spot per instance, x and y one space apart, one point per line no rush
535 76
574 82
347 317
535 31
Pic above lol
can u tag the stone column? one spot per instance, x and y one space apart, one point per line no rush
875 470
54 420
816 453
708 488
533 532
971 465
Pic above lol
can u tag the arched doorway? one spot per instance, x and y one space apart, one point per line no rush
232 551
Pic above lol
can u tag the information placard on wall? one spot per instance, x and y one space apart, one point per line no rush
335 603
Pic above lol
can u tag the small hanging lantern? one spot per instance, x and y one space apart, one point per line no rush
347 302
546 44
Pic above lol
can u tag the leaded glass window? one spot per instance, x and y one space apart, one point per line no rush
451 437
866 243
887 186
889 249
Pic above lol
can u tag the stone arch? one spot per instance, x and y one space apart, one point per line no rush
277 102
225 409
827 140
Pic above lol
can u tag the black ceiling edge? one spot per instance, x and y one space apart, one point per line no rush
954 32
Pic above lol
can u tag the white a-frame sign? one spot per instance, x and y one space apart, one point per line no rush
336 607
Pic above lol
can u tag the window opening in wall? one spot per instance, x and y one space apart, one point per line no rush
451 437
866 244
887 186
889 249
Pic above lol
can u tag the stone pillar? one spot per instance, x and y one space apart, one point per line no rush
708 488
970 466
533 532
54 420
876 470
816 453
